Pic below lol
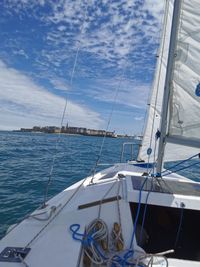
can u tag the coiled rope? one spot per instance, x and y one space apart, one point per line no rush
96 232
92 239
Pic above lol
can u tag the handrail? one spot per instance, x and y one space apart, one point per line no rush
132 145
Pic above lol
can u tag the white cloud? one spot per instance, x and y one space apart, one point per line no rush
130 93
21 52
61 28
24 104
115 34
155 8
112 29
139 118
59 84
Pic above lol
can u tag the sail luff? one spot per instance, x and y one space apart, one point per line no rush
154 109
169 74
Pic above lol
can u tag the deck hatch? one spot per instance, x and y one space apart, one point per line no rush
109 175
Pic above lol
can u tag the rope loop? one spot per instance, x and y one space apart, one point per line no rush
86 240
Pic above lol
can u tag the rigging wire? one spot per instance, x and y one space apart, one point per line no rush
93 171
64 111
183 161
58 139
56 214
185 167
107 127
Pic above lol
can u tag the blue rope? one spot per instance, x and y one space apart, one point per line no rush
138 212
145 210
123 261
183 161
87 240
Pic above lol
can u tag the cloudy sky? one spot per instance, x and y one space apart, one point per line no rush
99 55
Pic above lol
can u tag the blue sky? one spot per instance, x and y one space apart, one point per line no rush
116 41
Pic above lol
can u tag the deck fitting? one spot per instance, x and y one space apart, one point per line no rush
13 254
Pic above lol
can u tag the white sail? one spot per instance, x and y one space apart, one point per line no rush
183 138
184 111
155 105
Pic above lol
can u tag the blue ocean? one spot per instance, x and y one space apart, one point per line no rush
26 160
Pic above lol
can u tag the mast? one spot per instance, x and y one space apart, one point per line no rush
168 79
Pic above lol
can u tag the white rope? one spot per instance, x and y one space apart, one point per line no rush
115 236
56 214
98 234
97 231
35 216
103 234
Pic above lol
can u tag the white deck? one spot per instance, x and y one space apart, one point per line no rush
51 241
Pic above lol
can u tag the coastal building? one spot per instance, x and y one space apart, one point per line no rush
69 130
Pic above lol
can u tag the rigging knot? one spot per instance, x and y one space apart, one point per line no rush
158 133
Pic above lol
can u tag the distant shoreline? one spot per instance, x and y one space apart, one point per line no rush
96 134
73 131
72 134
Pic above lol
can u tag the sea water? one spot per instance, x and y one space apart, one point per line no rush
26 160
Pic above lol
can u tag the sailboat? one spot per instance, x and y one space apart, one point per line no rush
135 213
